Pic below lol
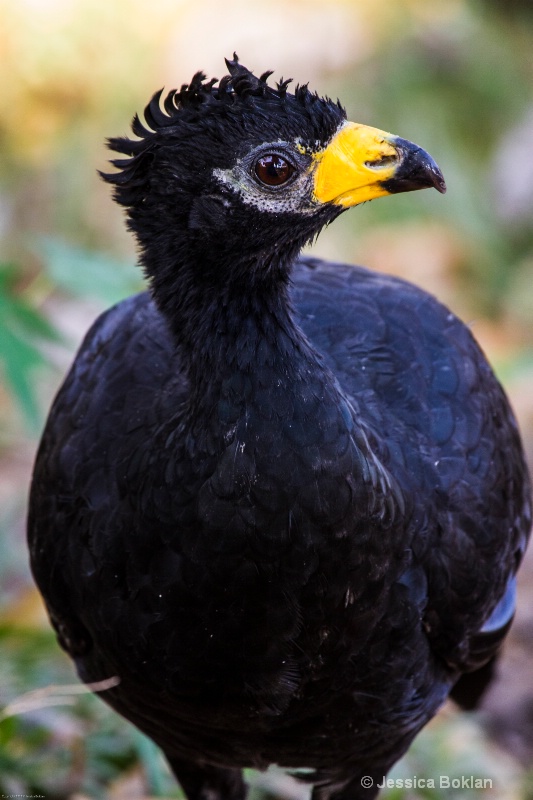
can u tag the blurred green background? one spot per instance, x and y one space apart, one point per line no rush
455 76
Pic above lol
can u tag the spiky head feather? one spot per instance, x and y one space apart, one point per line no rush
240 102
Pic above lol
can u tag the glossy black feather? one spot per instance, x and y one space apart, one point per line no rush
281 501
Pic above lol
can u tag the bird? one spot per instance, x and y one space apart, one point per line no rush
279 502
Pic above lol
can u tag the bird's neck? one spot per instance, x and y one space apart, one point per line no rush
258 386
234 320
246 339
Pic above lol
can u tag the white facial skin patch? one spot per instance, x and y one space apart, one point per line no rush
294 196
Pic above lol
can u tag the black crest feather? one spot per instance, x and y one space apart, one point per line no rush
163 114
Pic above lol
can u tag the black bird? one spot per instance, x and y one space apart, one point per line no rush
281 501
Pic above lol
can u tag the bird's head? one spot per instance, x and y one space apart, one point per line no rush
237 172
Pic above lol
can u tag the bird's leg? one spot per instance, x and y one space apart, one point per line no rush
207 782
361 788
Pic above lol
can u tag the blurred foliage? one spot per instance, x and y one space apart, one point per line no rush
84 273
456 76
22 328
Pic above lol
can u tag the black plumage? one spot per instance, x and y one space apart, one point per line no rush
282 501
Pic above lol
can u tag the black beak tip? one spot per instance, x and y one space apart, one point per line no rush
437 179
417 170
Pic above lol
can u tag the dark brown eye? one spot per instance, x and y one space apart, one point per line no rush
273 170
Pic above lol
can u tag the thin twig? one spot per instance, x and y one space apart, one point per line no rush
54 695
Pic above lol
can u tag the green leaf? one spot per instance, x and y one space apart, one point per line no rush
22 328
150 757
84 273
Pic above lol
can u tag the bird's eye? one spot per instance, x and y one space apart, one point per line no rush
273 170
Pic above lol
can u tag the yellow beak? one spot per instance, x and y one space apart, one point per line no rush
362 163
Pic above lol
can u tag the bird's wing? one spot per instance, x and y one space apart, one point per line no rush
447 434
111 394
